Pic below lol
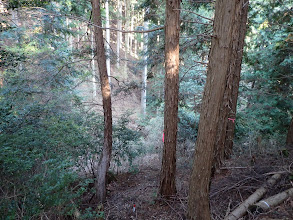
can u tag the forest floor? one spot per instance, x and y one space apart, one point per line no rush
232 185
238 179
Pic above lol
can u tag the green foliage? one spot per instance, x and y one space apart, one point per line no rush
47 136
126 141
12 4
267 87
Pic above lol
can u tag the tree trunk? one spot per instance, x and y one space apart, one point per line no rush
119 36
225 135
289 140
221 53
172 30
131 35
93 65
145 71
108 63
104 162
126 49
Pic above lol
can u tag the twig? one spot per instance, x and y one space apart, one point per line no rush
194 13
201 63
276 172
172 208
228 168
196 22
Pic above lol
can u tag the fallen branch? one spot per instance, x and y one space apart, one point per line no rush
272 201
256 196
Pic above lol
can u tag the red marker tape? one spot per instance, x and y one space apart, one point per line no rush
232 119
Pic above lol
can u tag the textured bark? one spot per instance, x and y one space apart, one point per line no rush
289 140
256 196
104 162
108 63
220 57
232 114
225 135
172 29
93 65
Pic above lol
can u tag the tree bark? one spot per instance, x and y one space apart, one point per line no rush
289 140
119 34
225 135
220 62
104 162
145 71
256 196
108 62
93 65
172 30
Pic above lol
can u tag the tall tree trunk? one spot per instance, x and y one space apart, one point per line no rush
235 87
172 30
221 53
69 37
104 162
145 71
131 35
225 134
289 140
93 65
108 63
119 34
126 49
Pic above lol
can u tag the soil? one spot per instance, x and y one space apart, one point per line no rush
229 187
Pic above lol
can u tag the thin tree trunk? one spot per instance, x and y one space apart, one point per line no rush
220 56
145 71
69 38
126 26
104 162
131 28
119 26
289 140
126 49
225 134
93 65
108 63
172 30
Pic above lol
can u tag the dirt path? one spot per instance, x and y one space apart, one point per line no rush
140 189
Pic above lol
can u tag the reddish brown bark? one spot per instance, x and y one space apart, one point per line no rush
224 141
104 162
172 29
221 61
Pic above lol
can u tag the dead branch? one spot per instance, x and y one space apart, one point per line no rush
257 195
272 201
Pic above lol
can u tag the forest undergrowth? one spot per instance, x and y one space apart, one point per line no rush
134 195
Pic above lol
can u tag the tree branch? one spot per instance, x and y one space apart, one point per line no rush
194 13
